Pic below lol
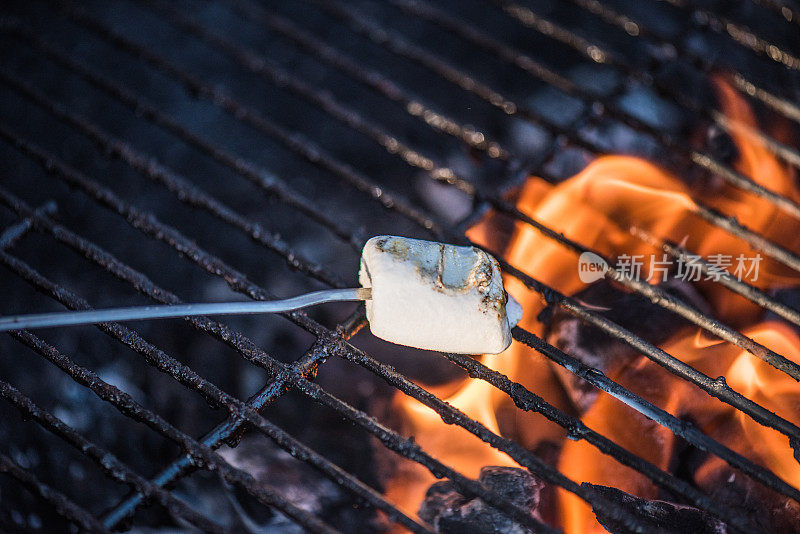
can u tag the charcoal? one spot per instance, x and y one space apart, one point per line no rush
274 469
448 511
767 509
659 516
599 350
721 144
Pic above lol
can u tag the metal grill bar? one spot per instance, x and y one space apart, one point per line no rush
14 233
59 502
530 66
782 106
787 12
414 158
730 224
108 462
748 291
788 154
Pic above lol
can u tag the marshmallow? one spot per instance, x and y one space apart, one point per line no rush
436 296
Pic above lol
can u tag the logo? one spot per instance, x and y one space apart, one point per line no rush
591 267
688 267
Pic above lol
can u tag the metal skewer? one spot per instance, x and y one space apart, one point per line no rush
138 313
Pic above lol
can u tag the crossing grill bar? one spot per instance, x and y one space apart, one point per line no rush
157 151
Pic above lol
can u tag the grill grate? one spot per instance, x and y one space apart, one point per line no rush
382 36
199 454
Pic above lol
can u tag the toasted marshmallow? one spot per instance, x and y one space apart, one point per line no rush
436 296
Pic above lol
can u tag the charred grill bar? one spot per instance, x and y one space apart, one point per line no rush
299 375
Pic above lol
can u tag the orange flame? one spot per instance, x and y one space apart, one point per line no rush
597 208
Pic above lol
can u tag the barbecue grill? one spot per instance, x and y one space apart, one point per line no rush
167 152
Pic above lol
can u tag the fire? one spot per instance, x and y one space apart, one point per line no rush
597 208
773 390
745 373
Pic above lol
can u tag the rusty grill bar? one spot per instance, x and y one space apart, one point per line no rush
298 376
